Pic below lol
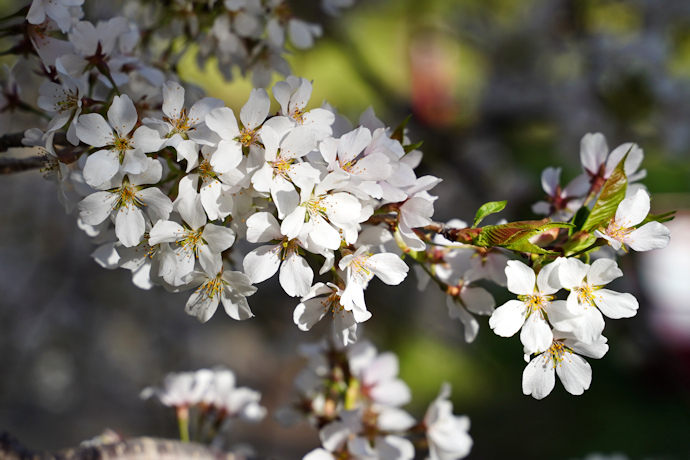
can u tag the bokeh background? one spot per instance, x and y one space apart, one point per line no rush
499 90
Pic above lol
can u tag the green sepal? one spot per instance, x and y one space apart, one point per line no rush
399 132
515 235
486 209
612 193
410 147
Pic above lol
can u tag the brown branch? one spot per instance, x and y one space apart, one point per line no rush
14 140
132 449
13 165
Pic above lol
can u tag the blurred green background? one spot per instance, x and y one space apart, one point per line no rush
499 90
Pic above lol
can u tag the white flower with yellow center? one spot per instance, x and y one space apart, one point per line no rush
125 150
538 378
323 299
622 229
361 266
533 310
588 300
124 202
262 263
230 288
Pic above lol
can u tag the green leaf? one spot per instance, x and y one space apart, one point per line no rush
612 193
579 241
487 209
579 219
515 235
661 218
399 132
410 147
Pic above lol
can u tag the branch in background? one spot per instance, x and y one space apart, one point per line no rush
14 140
13 165
132 449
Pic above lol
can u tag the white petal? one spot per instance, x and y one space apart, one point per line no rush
616 305
262 263
652 235
122 115
631 211
508 318
521 278
256 109
129 225
296 275
100 167
538 378
536 335
575 373
602 272
93 130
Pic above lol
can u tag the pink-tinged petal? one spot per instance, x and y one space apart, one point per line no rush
129 225
538 378
296 275
122 115
262 263
652 235
593 151
223 122
551 180
571 272
100 167
536 335
631 211
388 267
96 208
470 324
227 156
93 130
507 319
521 278
166 231
616 305
602 272
416 212
575 373
256 109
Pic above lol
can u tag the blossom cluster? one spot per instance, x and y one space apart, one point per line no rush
353 395
173 185
211 392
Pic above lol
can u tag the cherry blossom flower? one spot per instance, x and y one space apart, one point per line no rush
58 10
447 434
562 202
183 389
534 307
262 263
65 100
588 300
124 201
563 357
622 229
322 299
361 266
229 287
126 149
